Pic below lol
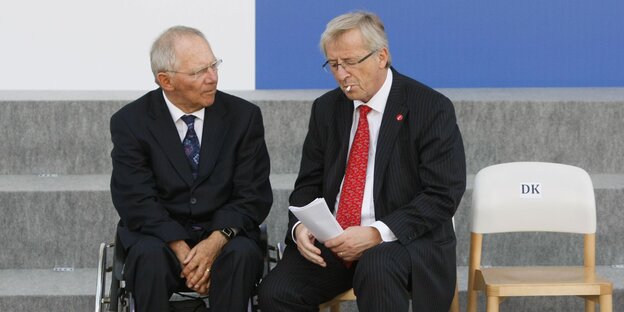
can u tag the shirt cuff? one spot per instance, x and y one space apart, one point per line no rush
386 234
292 232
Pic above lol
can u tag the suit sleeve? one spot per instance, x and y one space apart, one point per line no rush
309 183
441 171
133 186
251 197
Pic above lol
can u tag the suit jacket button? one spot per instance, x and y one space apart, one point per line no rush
193 200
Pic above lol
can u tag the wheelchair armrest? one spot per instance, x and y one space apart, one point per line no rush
264 239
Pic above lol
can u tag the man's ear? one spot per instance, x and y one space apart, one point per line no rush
382 56
164 81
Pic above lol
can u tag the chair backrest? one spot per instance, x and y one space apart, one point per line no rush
533 196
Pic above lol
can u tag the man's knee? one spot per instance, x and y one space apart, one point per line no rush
150 256
242 249
272 292
149 259
382 262
266 290
149 249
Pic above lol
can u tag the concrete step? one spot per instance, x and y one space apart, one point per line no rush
56 137
54 221
59 221
46 290
54 132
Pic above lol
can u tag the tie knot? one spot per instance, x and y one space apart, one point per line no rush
189 120
364 110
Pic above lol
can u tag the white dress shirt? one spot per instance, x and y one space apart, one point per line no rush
378 105
176 115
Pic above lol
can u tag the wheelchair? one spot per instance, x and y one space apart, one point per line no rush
119 299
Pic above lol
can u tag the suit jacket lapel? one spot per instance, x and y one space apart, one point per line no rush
339 144
166 135
344 121
390 126
213 136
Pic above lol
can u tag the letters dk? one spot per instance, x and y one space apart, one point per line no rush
531 190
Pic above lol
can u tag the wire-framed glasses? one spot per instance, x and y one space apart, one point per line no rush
200 73
332 65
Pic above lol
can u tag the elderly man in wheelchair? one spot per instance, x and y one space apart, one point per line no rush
190 182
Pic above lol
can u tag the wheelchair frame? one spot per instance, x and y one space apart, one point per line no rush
119 299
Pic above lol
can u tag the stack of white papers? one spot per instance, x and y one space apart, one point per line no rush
318 219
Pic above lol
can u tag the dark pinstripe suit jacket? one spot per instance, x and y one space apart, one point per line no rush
420 176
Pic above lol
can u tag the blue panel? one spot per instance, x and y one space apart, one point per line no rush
444 43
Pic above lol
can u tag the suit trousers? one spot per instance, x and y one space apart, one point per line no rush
380 279
152 271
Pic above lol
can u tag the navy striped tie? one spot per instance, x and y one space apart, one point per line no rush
191 144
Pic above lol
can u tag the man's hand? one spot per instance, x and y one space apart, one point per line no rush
305 244
198 263
181 250
350 245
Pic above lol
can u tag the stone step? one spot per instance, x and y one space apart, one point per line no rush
54 221
59 221
54 132
47 290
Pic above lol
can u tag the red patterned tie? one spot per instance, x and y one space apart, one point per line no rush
350 205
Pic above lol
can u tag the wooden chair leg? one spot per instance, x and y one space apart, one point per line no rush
476 242
590 305
492 304
472 300
455 303
606 303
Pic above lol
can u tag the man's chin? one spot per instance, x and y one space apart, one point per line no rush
208 99
352 95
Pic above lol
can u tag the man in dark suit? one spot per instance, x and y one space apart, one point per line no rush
190 181
390 147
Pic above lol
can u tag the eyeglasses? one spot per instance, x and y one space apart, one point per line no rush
346 64
200 73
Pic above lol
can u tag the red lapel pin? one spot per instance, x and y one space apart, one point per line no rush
399 117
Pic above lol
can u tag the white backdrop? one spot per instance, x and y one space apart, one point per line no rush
104 45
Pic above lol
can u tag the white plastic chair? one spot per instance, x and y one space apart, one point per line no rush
537 197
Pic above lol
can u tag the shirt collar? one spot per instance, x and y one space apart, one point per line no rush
176 113
379 100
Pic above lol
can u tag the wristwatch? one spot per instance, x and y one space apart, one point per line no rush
229 233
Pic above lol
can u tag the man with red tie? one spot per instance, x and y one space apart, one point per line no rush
386 154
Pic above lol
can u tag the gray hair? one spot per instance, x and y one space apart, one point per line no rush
370 25
162 54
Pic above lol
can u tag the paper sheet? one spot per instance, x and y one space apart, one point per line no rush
318 219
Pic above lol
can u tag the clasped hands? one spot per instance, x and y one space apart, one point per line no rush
348 246
197 262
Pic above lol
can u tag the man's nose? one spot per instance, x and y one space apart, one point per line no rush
210 76
341 72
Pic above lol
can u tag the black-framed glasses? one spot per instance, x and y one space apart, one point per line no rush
346 64
200 73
